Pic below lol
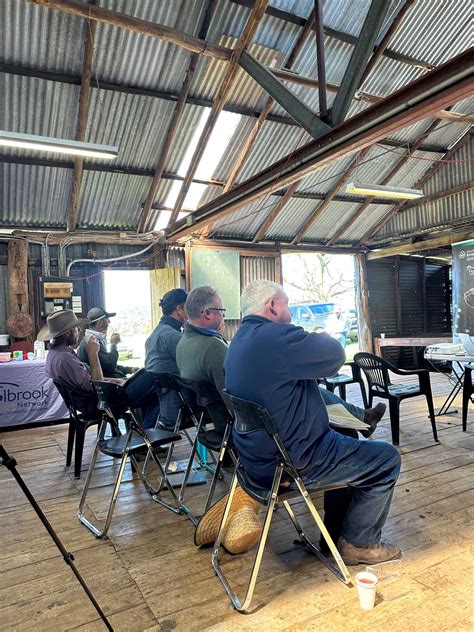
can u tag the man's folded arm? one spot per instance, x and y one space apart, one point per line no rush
312 355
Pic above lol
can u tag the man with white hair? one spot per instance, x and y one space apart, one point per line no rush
276 364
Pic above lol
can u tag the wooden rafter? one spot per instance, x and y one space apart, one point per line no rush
341 181
420 182
144 223
81 125
221 97
446 85
426 244
275 212
144 27
393 171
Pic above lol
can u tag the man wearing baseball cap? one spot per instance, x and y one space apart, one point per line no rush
99 320
160 349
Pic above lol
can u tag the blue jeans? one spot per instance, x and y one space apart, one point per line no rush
141 391
371 468
331 398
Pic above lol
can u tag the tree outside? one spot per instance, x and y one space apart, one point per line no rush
323 278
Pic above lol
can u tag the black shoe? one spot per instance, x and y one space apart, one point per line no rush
372 417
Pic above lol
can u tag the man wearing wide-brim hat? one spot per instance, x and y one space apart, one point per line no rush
62 363
99 321
62 329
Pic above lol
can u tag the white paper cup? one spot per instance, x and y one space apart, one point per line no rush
382 336
366 587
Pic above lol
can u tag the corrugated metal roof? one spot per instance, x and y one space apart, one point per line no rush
31 193
50 39
22 22
111 200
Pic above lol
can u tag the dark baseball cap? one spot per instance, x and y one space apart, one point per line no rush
96 313
170 301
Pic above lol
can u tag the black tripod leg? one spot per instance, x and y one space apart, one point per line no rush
68 557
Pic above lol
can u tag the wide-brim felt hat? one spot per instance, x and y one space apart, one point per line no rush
59 323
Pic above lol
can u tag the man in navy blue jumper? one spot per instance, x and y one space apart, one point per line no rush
276 364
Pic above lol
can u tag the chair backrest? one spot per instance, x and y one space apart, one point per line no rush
165 382
110 395
67 393
375 370
249 416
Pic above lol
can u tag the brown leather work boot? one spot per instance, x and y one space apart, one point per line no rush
381 552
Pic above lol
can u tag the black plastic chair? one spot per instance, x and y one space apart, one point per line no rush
78 424
376 371
341 380
467 391
135 441
249 416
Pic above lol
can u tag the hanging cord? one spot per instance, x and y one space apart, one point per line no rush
68 557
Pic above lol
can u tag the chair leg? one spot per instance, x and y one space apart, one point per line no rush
466 396
225 441
364 394
70 441
429 401
242 606
394 409
80 436
342 391
101 533
340 570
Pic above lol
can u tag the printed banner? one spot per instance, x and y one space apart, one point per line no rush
463 287
27 395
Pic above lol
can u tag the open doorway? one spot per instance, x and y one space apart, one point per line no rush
127 292
319 285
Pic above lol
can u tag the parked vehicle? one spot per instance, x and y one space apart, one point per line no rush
353 333
311 316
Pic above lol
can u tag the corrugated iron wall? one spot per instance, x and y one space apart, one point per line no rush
251 269
408 296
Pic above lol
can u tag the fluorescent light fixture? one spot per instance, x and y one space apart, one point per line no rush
57 145
378 190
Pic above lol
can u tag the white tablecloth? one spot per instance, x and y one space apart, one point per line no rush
27 395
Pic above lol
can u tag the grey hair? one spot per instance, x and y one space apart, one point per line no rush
256 294
200 298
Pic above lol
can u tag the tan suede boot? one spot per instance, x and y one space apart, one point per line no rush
353 555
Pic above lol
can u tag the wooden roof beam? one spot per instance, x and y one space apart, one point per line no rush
284 75
144 223
81 125
426 244
448 84
144 27
219 102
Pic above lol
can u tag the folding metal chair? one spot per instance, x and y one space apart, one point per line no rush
135 441
249 416
209 398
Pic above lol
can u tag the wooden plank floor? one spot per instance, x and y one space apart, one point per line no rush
149 576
